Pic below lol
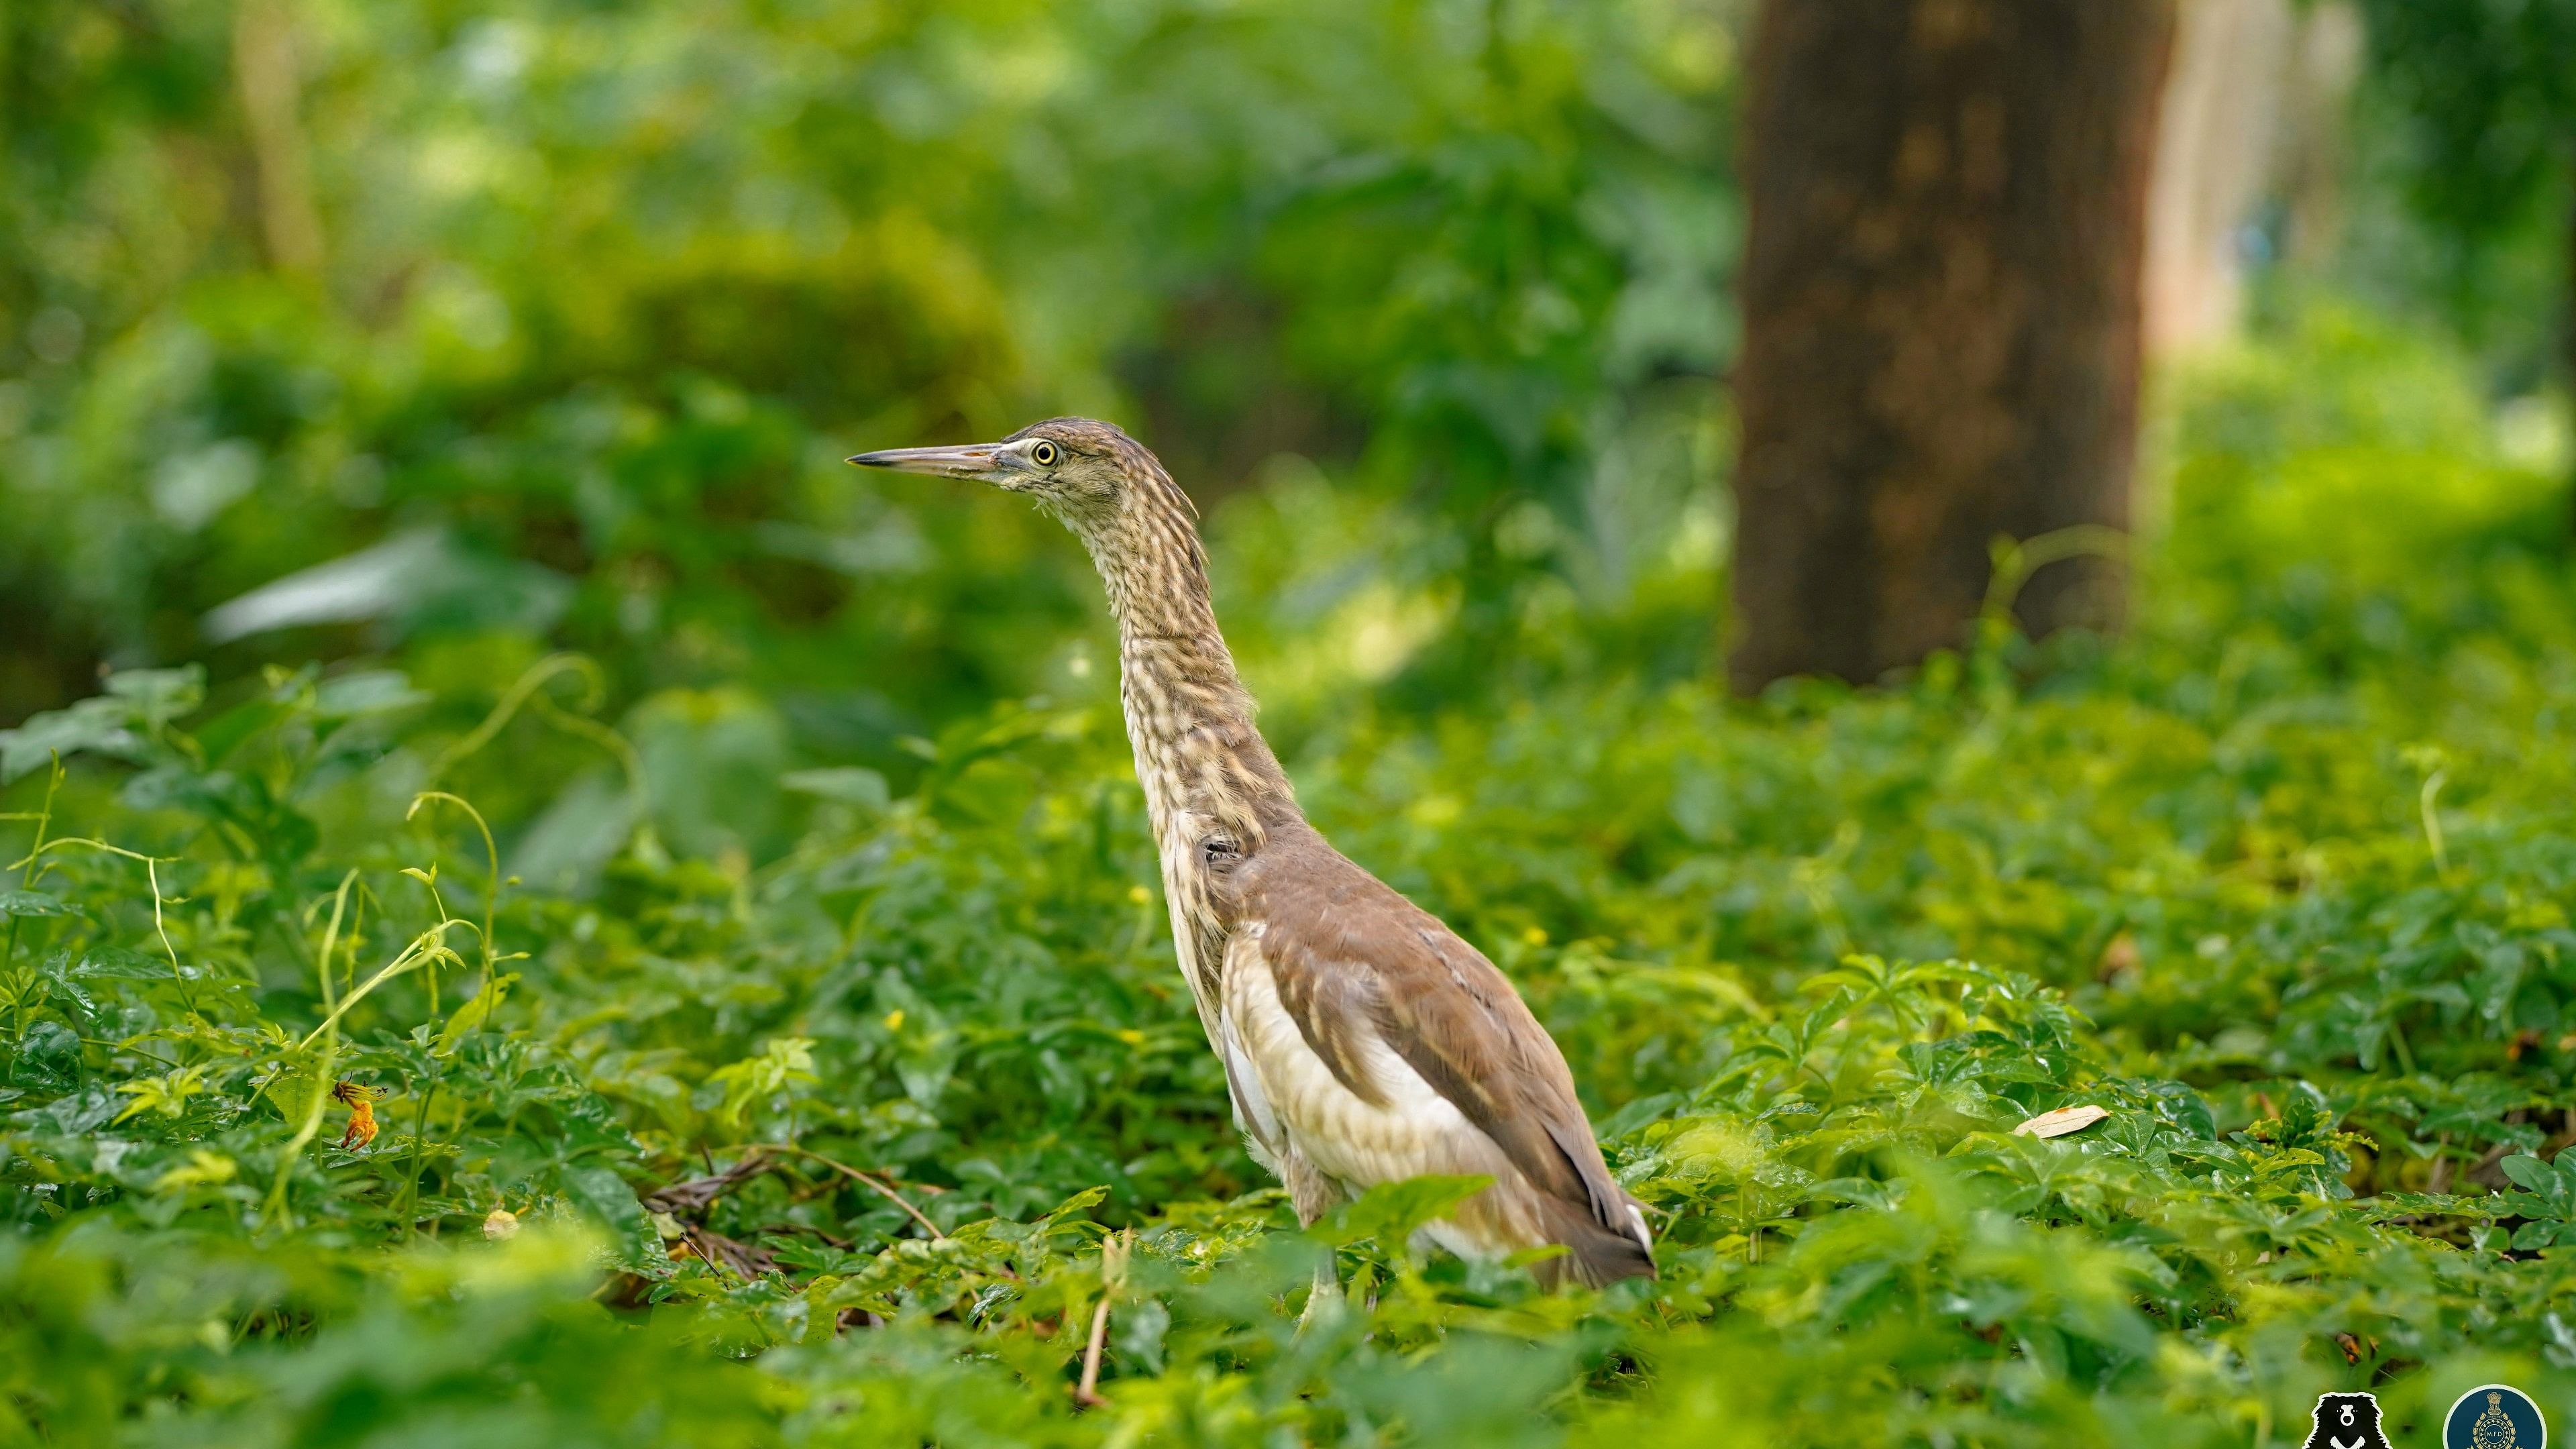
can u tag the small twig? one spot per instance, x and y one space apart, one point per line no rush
881 1189
1087 1393
697 1194
322 1071
516 695
2432 818
411 1170
1113 1271
491 893
118 1046
828 1240
27 870
746 1261
151 875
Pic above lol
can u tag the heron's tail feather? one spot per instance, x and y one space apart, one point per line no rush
1597 1255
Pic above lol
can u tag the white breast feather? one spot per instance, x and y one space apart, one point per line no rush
1418 1131
1252 1110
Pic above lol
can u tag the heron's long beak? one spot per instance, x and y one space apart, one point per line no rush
979 462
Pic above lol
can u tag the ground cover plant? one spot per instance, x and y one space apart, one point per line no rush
430 1054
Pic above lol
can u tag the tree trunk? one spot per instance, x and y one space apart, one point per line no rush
264 66
1941 311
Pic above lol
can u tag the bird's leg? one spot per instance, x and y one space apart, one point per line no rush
1324 1301
1313 1195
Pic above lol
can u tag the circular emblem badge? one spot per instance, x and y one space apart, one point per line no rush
2494 1416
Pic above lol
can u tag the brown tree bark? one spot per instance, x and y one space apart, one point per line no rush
1941 310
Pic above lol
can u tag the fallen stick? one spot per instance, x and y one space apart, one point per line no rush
1087 1393
1113 1271
881 1189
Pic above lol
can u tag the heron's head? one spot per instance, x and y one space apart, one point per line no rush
1086 472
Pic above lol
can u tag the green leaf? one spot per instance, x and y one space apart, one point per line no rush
2529 1172
97 726
32 905
292 1090
851 785
119 963
366 692
476 1009
1081 1202
604 1196
167 1094
228 731
160 696
1391 1211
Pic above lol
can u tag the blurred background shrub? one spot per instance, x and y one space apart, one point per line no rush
459 331
412 395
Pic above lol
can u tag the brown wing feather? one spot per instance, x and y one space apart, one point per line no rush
1355 955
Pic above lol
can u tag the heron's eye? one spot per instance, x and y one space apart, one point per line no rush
1044 454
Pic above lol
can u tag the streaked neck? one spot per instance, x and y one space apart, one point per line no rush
1203 764
1213 790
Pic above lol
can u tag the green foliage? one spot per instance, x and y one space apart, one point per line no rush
2489 106
2462 185
603 294
718 1102
2547 1202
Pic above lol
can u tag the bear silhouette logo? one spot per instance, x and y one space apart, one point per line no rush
2347 1421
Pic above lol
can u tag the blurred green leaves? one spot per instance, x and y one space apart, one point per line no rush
839 1032
601 296
813 1093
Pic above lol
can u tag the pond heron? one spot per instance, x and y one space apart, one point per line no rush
1364 1042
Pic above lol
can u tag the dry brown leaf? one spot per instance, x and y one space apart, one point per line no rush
2060 1122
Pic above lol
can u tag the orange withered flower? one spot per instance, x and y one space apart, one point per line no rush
362 1114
